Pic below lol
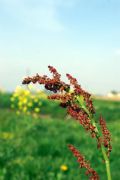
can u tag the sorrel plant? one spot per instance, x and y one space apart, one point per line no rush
79 105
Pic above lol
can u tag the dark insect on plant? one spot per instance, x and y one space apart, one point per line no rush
79 105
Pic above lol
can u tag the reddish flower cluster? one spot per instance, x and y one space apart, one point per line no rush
80 115
106 135
56 75
99 142
84 164
53 84
79 91
67 99
81 112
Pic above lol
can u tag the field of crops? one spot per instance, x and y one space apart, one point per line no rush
36 148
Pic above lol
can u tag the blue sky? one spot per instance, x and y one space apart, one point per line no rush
81 37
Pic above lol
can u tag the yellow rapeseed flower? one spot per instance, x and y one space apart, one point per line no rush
32 96
26 92
24 109
63 167
37 109
18 88
30 104
24 101
30 86
20 104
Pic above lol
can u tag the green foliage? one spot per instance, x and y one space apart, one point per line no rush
36 148
5 100
109 109
52 109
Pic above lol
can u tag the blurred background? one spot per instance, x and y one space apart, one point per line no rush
77 37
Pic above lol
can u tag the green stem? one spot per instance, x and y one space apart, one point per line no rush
106 159
107 163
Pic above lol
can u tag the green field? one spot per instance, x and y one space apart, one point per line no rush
35 148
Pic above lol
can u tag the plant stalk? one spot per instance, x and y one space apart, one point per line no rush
106 159
107 163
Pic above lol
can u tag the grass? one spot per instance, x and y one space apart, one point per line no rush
34 149
109 109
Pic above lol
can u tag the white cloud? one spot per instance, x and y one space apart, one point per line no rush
38 13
